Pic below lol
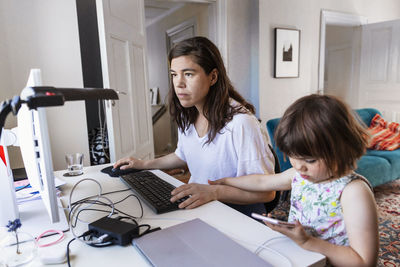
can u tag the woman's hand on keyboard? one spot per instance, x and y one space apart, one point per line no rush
169 161
199 195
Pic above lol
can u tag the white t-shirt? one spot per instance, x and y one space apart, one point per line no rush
240 149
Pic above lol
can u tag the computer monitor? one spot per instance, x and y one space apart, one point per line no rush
35 145
35 149
36 154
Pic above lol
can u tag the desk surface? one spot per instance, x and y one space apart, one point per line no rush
244 230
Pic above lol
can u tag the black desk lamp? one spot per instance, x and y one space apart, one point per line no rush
45 96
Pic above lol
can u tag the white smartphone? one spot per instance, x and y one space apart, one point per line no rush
271 220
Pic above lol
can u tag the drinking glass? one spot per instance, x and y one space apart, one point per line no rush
74 164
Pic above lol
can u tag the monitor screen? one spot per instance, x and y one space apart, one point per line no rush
35 148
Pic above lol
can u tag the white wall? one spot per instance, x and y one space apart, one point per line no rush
44 34
254 52
6 89
277 94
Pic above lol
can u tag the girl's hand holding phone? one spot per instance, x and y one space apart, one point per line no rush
295 231
272 221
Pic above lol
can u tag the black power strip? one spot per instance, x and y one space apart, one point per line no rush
120 232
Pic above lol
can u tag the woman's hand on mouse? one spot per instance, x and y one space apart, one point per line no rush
129 163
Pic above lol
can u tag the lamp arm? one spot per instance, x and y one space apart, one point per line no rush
46 96
11 105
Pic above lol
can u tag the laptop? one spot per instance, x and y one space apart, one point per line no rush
194 243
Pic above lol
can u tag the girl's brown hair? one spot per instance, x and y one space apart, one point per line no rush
322 127
216 109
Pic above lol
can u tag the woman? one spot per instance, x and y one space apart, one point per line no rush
219 136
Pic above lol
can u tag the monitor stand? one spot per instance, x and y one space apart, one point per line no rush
35 218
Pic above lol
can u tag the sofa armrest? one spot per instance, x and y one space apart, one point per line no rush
271 127
366 115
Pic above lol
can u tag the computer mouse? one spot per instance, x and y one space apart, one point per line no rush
116 172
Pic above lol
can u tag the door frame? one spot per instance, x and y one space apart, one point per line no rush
219 34
218 24
338 19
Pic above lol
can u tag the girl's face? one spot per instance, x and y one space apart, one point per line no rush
190 82
311 169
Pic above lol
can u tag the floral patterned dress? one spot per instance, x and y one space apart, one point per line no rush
318 205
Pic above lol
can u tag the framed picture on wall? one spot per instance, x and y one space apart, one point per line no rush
287 53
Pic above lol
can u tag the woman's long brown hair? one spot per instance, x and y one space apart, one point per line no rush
216 109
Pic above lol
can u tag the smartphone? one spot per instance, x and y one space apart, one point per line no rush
271 220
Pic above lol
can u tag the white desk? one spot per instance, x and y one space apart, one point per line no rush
244 230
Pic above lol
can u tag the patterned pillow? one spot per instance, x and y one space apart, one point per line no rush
384 135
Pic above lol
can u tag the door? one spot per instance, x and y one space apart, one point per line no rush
123 60
380 68
339 34
185 30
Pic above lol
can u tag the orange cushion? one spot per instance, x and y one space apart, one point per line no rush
384 135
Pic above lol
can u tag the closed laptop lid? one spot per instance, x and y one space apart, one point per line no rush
194 243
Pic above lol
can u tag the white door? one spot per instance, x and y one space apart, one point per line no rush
379 85
123 59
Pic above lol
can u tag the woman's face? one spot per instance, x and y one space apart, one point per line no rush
191 83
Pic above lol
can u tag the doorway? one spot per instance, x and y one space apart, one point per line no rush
166 24
341 61
340 55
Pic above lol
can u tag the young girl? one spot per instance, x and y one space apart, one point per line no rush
219 136
323 141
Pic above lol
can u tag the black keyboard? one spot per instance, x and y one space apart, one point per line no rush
155 191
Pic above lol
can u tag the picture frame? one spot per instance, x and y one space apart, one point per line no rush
287 53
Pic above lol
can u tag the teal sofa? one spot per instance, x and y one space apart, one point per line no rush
378 166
